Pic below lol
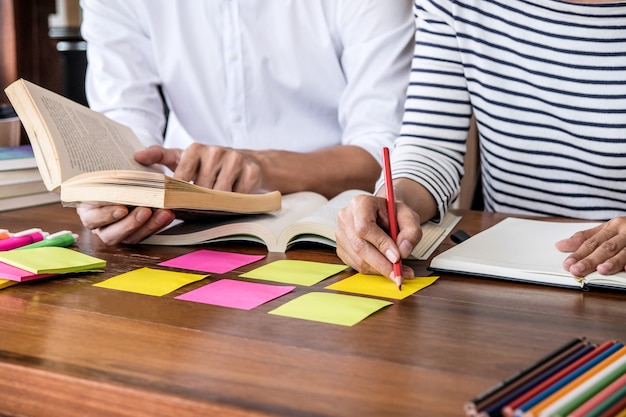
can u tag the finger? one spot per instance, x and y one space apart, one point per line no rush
410 230
250 178
347 257
610 254
200 164
93 216
114 233
407 272
575 241
159 219
159 155
129 229
231 166
357 260
614 264
584 244
360 239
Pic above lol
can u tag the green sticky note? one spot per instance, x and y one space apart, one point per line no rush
150 281
344 310
380 286
289 271
51 260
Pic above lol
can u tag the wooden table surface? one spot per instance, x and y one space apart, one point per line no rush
68 348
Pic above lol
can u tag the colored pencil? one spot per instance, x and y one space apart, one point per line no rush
604 400
564 377
611 406
391 211
495 409
586 390
618 410
539 409
483 399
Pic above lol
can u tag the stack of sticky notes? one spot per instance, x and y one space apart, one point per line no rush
578 379
29 264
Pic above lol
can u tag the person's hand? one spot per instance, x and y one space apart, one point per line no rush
364 244
602 249
208 166
115 224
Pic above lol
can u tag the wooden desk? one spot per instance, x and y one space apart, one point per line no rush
70 349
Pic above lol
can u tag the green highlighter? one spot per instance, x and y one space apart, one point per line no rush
60 239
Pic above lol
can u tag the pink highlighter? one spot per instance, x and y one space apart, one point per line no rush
22 239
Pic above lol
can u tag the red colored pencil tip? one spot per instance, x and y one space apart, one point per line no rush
398 281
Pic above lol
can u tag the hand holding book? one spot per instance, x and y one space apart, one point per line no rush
89 158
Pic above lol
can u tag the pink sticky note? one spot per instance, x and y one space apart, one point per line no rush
236 294
16 274
211 261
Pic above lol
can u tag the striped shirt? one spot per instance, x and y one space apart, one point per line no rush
546 80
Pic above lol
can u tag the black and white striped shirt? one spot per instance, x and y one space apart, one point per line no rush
546 80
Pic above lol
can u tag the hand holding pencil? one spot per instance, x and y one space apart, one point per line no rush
364 234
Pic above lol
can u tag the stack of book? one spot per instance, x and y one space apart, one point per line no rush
580 379
21 184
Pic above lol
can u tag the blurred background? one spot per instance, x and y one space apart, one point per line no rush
40 41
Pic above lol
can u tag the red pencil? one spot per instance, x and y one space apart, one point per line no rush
391 209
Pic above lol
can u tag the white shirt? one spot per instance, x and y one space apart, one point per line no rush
294 75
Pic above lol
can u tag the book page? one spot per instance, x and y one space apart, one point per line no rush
73 137
432 236
320 225
520 249
260 227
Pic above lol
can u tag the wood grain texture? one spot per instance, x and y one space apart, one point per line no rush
70 349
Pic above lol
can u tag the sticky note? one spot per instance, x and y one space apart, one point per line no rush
217 262
380 286
9 272
4 283
236 294
340 309
150 281
289 271
51 260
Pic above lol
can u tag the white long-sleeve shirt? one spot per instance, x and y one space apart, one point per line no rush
296 75
546 80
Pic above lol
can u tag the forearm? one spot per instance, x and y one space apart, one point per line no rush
327 171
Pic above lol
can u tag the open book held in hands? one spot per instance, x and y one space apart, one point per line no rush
304 217
89 158
524 250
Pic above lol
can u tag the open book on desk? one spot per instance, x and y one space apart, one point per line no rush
89 158
304 217
524 250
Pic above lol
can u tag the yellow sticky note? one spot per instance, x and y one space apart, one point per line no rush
380 286
51 260
150 281
341 309
290 271
7 283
